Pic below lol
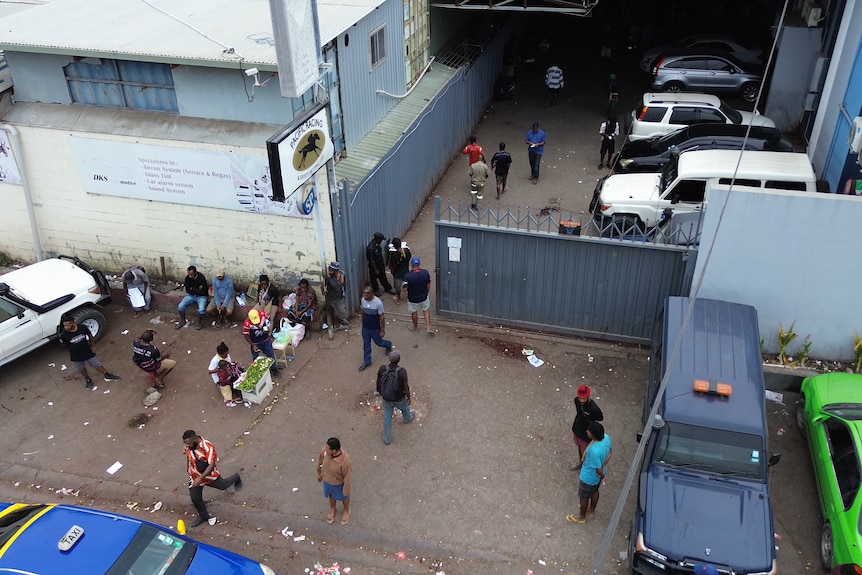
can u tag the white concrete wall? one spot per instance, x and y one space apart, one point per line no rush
111 232
792 255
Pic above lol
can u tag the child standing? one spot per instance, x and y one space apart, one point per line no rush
227 375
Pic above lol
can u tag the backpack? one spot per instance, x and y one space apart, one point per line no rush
390 387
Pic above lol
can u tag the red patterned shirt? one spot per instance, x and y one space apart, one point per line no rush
206 453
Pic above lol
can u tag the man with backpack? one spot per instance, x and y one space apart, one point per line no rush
609 130
393 389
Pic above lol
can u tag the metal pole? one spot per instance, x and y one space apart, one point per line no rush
18 155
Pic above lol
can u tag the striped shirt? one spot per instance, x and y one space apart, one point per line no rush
205 452
554 78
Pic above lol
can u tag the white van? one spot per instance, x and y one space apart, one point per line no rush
683 183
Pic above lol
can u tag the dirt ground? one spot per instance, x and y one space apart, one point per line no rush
480 482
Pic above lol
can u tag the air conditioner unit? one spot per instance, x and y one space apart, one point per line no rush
814 16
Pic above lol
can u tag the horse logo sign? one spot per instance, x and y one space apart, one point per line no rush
297 152
311 147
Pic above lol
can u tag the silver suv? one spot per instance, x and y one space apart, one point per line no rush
664 112
704 71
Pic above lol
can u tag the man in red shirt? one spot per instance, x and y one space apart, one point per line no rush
473 150
202 458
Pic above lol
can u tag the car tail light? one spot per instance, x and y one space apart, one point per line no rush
643 112
657 66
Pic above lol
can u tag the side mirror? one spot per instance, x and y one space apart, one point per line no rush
774 459
639 436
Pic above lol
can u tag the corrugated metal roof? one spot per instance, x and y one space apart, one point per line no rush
376 144
203 32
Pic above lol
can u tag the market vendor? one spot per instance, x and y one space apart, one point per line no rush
257 331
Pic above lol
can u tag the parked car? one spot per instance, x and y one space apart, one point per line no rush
33 300
684 183
741 50
829 414
703 485
652 154
663 112
704 71
62 539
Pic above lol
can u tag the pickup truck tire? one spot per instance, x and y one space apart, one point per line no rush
620 225
92 319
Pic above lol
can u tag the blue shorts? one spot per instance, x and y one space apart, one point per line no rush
585 490
334 491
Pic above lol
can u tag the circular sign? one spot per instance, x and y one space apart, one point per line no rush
308 150
307 203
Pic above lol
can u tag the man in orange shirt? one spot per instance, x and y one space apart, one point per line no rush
202 458
473 150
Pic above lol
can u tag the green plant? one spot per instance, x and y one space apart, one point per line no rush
802 352
784 339
4 260
857 354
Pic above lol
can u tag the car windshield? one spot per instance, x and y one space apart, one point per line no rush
154 552
12 521
731 113
848 411
670 140
711 450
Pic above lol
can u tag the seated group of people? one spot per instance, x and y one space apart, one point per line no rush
298 307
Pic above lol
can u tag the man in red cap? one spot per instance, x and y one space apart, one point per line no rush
586 412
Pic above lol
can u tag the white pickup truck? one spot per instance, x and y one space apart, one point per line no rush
33 300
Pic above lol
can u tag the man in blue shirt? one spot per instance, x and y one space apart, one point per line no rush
596 458
417 284
373 326
221 305
535 140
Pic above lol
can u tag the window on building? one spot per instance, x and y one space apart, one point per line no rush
378 46
122 84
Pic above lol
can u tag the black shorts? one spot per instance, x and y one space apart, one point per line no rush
585 490
607 147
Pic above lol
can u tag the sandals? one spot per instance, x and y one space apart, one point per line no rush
575 519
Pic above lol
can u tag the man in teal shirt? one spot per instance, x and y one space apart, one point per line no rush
596 458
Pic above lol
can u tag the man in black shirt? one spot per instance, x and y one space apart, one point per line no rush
196 292
501 161
586 412
376 265
82 351
150 358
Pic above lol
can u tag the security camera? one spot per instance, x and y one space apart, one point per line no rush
251 72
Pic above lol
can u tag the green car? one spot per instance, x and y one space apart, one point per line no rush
829 414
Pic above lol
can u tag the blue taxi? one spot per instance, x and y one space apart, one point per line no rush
48 539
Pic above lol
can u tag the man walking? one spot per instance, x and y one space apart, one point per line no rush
373 326
479 173
554 81
150 358
473 150
393 389
202 459
335 470
82 351
535 140
221 306
333 290
586 412
376 265
609 130
196 292
596 458
257 331
417 284
501 162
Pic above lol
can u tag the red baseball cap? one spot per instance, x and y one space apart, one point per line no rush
584 391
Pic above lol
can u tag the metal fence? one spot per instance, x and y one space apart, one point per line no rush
392 195
569 274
